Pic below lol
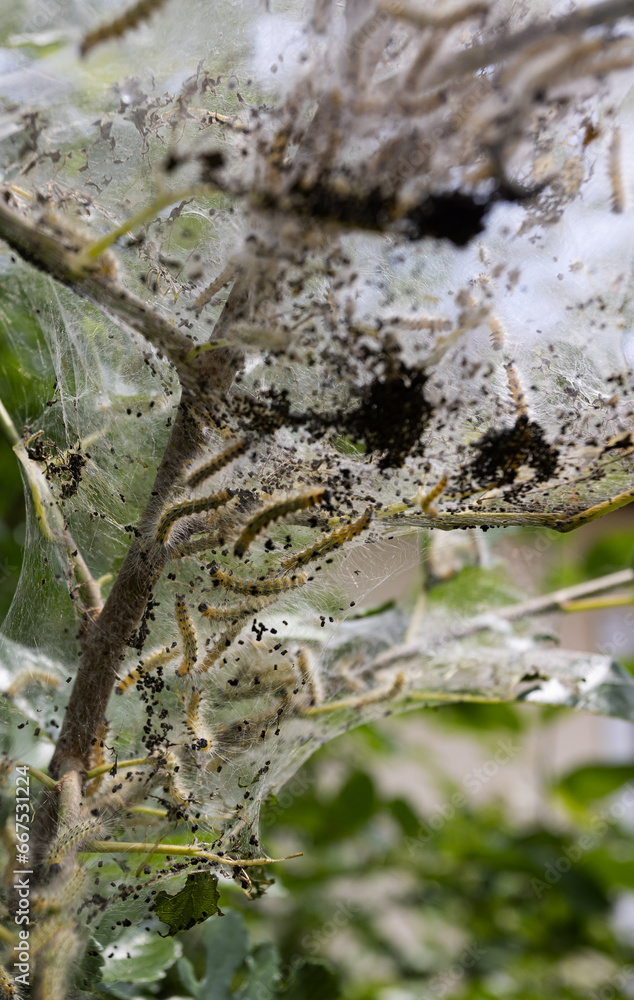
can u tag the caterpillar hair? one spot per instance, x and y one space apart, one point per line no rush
212 289
196 545
262 585
7 986
372 697
515 386
70 838
332 541
188 632
217 463
497 333
146 666
220 644
60 894
432 323
272 513
616 177
428 499
119 25
187 507
233 611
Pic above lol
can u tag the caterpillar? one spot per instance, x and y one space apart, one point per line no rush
371 697
71 837
130 18
432 323
195 545
58 897
497 333
187 507
151 662
262 585
309 676
219 645
193 722
213 288
218 462
516 389
188 632
616 178
332 541
272 513
428 498
7 985
25 678
232 611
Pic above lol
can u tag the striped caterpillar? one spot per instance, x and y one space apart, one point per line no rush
428 499
262 585
119 25
217 463
188 632
213 288
187 507
497 333
70 838
332 541
146 666
7 985
25 678
233 611
372 697
272 513
515 387
616 178
309 676
219 645
432 323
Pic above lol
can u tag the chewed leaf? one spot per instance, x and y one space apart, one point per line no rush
193 904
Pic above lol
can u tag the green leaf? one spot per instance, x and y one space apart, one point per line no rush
188 976
595 781
139 958
263 971
226 946
313 980
193 904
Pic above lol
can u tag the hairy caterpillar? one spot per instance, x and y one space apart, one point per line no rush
119 25
188 632
309 676
272 513
217 463
151 662
262 585
616 177
516 389
432 323
187 507
7 985
192 721
497 333
58 897
428 498
25 678
71 837
232 611
219 645
332 541
371 697
213 288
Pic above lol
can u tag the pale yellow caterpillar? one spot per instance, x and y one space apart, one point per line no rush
309 676
193 723
70 838
616 177
372 697
272 513
332 541
187 507
188 632
25 678
428 499
119 25
516 389
497 333
233 611
219 645
150 663
7 986
58 896
432 323
217 463
262 585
